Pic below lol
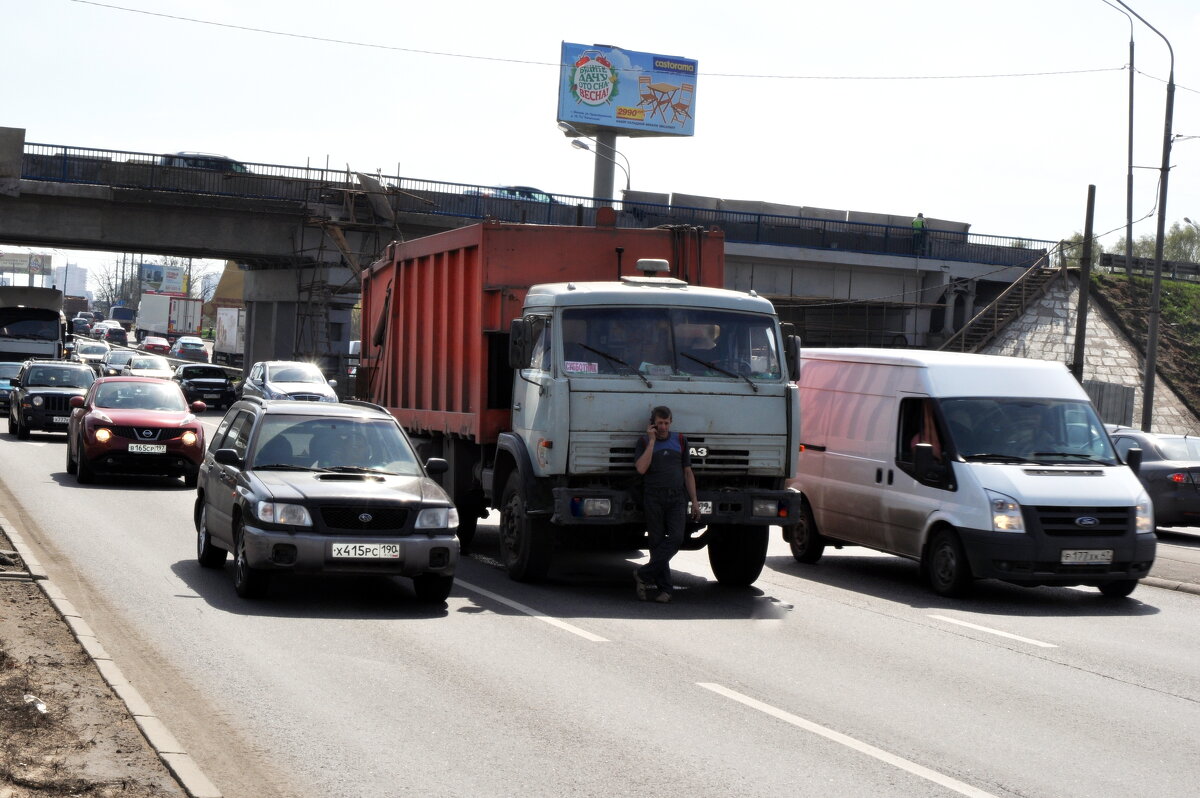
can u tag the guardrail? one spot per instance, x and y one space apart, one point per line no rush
148 171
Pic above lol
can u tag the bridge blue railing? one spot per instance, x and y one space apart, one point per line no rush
274 182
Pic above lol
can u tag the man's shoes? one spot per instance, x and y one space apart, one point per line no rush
663 597
644 589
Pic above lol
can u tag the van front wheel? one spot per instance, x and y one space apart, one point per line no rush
806 542
946 566
736 553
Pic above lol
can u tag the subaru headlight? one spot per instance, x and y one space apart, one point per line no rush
1144 515
1005 512
279 513
437 518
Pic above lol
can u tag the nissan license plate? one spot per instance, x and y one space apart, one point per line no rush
147 448
1085 556
367 551
61 419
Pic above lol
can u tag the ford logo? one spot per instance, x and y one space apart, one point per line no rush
365 518
1087 520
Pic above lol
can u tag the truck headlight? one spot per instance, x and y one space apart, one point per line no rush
769 508
1005 511
590 506
437 518
1144 515
278 513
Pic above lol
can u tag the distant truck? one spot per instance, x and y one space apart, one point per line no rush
167 316
230 342
72 305
32 323
124 315
530 357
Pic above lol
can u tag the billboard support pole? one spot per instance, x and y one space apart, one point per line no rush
606 152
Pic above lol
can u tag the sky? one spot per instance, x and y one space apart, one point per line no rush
998 113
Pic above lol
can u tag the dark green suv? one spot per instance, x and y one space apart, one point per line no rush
41 395
317 487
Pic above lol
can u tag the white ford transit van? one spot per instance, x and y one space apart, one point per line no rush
974 465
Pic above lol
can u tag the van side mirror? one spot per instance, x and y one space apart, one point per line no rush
520 343
1133 459
227 457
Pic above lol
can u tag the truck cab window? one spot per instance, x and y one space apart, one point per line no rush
540 356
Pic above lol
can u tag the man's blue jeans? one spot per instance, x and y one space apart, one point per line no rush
666 514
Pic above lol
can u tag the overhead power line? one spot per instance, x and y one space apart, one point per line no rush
557 65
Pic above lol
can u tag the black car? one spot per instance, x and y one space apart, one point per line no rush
41 395
81 326
116 335
209 384
112 363
1170 472
315 487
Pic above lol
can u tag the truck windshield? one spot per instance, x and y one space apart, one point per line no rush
1026 430
670 342
29 324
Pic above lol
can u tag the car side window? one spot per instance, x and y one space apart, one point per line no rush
238 437
1123 446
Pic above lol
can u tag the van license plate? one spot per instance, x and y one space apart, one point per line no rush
367 551
1077 556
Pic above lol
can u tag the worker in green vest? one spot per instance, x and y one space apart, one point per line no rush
918 226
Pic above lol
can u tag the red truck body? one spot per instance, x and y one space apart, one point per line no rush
436 310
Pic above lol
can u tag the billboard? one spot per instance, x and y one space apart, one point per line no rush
630 93
159 279
22 263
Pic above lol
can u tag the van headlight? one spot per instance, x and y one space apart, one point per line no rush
1144 515
437 518
1006 512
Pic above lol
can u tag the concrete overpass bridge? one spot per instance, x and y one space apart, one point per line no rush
302 235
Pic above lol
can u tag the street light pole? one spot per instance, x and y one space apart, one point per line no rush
1156 289
602 180
581 145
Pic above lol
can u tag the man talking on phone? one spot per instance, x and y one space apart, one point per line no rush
666 468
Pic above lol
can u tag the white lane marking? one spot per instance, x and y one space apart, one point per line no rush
942 779
977 627
531 612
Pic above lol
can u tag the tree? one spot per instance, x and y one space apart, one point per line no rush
1182 243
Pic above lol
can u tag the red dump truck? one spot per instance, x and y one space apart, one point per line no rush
521 354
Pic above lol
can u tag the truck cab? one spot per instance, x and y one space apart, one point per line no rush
592 359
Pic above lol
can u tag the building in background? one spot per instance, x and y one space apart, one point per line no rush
71 279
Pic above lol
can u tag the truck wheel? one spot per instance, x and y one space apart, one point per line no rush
946 567
468 522
737 553
525 543
806 542
432 588
1119 589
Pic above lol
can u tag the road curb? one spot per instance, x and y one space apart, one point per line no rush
180 764
1171 584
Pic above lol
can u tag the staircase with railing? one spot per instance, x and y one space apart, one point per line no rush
987 323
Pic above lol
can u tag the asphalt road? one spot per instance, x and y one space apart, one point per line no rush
847 678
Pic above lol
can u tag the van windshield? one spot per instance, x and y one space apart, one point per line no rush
1044 431
654 341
